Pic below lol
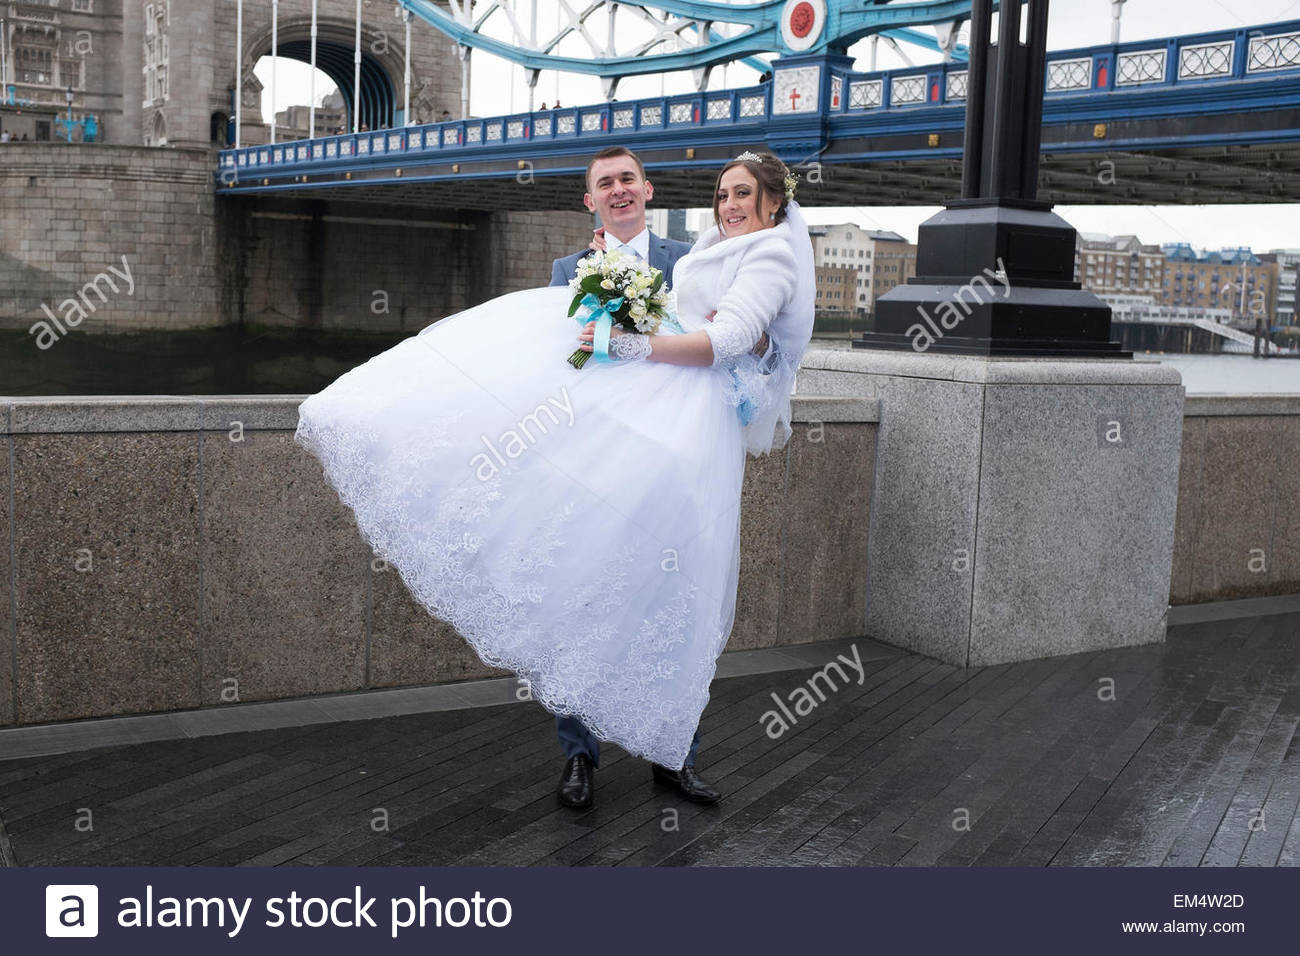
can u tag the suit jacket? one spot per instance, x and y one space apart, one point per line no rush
664 254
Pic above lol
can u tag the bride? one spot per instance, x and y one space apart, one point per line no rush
581 527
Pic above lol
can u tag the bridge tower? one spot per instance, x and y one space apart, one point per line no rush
179 65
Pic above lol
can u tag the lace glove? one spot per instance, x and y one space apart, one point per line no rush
629 346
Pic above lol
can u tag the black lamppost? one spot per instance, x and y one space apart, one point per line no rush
995 268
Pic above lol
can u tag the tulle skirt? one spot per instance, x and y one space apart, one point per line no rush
579 527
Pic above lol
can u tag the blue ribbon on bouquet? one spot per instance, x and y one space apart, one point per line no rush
603 313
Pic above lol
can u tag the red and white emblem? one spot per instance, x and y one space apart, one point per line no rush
802 22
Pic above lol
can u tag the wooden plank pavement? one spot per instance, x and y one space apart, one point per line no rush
1195 761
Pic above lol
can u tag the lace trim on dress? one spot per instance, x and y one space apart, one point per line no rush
438 560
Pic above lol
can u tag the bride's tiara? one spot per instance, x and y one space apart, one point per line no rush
791 180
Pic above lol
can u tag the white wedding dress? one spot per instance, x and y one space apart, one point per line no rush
579 527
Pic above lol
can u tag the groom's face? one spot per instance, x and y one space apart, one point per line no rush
618 192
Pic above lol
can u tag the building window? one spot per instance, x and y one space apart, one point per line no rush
83 6
155 53
70 74
35 65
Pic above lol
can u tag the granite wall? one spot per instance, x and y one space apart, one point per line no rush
1238 528
158 556
170 553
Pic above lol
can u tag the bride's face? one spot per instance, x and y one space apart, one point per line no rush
738 206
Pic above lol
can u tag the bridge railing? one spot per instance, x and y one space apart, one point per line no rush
1224 55
1175 61
654 115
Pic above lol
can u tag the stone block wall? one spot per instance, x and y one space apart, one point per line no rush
70 212
334 265
163 559
1238 528
523 246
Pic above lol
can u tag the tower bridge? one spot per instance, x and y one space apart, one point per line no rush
442 213
1201 118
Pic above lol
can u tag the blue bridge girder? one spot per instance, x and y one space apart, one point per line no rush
917 38
846 22
1209 117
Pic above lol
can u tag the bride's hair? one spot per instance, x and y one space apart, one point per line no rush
770 174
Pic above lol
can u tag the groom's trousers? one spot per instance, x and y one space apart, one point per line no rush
576 739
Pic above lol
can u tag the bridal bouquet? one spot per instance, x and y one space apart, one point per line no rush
617 288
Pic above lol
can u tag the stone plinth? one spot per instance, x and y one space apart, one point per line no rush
1022 507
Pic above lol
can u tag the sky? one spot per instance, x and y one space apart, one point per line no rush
498 87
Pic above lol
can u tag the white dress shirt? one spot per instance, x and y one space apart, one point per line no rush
640 243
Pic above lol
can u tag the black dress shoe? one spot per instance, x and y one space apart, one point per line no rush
687 782
577 785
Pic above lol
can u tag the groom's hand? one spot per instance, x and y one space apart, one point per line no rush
597 239
761 346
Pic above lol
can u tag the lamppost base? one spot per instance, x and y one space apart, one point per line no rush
994 277
994 347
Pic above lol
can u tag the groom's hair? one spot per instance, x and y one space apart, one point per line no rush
607 153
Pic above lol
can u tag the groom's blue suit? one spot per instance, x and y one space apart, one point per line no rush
575 738
664 254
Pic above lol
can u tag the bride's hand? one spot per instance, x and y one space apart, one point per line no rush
597 239
588 335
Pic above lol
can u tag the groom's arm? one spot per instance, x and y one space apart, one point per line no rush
557 273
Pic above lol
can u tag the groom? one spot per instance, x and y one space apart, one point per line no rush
617 190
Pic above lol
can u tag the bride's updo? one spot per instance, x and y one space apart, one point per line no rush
773 177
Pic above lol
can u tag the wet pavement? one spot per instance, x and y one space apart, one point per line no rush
1182 753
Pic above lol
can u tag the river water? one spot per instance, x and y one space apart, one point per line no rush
229 361
1202 374
1232 374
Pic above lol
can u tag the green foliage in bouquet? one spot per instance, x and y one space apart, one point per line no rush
634 298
